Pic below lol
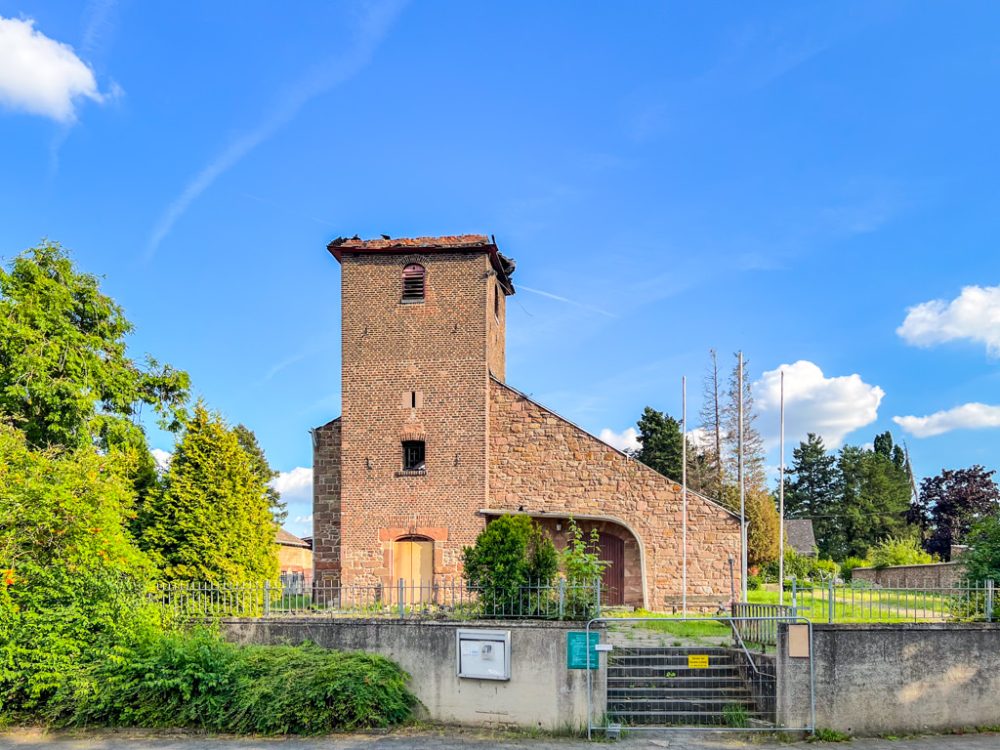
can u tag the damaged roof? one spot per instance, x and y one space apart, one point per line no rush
503 265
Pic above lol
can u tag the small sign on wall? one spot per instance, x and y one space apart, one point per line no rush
697 661
798 641
483 654
576 649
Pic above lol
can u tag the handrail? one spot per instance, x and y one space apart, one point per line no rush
746 652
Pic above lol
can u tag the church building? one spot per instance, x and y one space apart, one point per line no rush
432 442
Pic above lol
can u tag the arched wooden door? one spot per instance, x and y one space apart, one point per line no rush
413 561
612 550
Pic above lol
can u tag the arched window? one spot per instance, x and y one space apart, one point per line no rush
413 283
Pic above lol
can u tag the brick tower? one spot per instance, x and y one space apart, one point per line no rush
401 476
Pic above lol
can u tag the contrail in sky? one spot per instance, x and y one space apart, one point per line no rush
373 27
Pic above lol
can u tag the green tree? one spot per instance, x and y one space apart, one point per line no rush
65 375
212 520
248 442
982 561
872 503
811 486
72 581
662 442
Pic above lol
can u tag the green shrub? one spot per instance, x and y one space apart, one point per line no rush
982 559
847 567
898 551
824 569
754 582
511 552
197 680
72 582
582 566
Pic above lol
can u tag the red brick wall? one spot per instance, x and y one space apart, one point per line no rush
543 463
438 348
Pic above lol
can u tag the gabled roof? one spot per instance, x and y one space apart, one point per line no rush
799 532
445 244
285 539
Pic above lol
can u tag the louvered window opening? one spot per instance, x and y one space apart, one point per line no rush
413 455
413 283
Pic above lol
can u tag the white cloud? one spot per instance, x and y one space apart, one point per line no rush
295 487
373 27
965 417
162 458
40 75
297 482
974 314
699 438
831 407
627 439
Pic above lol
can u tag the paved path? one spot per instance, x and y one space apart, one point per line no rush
455 739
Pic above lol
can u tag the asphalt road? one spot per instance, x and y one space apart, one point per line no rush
453 739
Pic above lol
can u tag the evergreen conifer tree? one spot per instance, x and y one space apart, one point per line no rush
212 520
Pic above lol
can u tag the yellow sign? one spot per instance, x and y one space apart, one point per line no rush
697 661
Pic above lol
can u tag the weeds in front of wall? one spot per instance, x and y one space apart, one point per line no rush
735 715
829 735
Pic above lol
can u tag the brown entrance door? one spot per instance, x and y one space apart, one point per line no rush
413 561
612 550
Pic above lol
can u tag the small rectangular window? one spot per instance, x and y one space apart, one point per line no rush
496 301
413 455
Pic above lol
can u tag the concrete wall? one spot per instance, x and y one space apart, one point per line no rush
930 576
894 678
542 692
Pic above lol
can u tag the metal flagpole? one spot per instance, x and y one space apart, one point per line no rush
739 478
684 497
781 498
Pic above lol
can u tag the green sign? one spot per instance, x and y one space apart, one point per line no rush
576 649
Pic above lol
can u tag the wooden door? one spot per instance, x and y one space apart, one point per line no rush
612 550
413 561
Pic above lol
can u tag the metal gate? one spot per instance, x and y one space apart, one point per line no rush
690 673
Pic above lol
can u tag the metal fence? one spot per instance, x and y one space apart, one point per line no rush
829 602
833 603
446 599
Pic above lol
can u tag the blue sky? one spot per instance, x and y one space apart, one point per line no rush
789 179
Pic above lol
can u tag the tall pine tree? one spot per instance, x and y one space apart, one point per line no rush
662 442
811 487
212 520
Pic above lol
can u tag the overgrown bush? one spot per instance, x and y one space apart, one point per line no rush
510 553
71 580
582 566
982 559
197 680
898 551
803 568
847 567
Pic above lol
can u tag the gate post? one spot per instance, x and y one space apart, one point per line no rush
562 598
267 598
989 600
598 602
830 601
402 597
795 600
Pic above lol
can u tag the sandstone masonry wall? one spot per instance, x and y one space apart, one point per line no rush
326 504
546 464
